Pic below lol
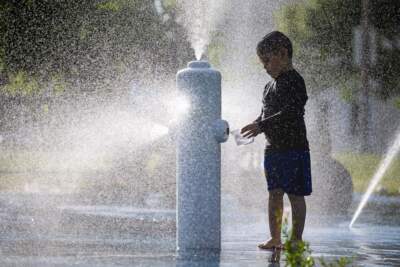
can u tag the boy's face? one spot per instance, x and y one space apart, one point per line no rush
275 62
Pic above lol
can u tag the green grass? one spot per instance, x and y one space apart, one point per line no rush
362 167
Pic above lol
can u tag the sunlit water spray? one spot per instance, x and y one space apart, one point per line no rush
104 138
92 147
384 165
114 130
100 139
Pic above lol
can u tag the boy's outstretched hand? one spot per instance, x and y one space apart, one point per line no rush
250 130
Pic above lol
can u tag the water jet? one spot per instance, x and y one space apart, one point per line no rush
383 167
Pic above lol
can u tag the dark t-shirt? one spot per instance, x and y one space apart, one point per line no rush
282 114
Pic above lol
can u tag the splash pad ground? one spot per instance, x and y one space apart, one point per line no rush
43 230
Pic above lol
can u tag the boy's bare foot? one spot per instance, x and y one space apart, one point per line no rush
271 244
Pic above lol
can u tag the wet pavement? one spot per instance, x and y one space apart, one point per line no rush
39 230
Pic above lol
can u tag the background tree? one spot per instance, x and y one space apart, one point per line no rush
86 45
324 33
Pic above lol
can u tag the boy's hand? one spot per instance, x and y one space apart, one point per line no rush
250 130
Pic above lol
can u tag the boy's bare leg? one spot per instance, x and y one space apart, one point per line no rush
298 204
275 210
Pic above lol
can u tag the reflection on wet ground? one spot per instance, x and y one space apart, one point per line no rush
39 230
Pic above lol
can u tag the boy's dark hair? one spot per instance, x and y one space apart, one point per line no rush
272 42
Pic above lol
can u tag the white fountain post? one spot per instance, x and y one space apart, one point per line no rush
198 176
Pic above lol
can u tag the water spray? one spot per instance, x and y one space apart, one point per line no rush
383 166
199 135
200 18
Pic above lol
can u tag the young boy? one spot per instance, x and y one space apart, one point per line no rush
287 157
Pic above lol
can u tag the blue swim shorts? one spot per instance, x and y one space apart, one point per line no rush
289 171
